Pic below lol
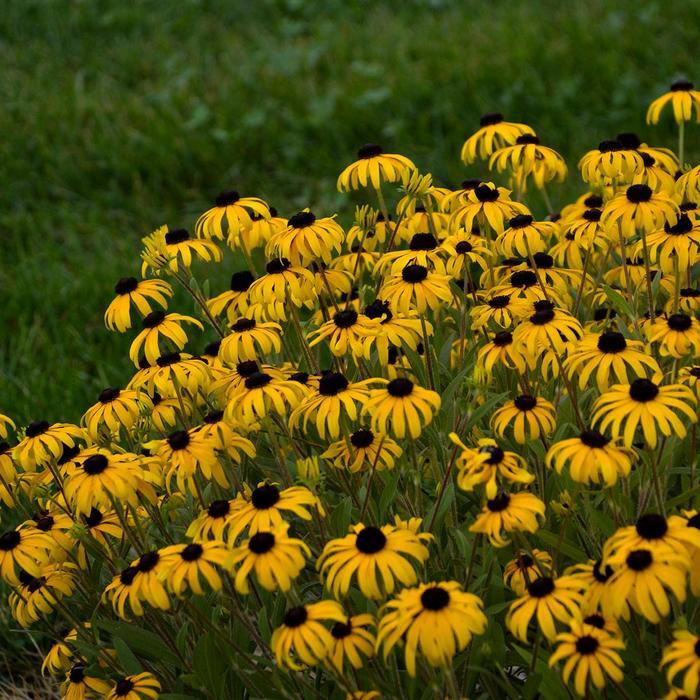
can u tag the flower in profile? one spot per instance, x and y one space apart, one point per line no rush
527 157
683 99
230 214
639 208
416 288
23 550
677 335
234 301
213 522
401 407
690 376
487 206
365 449
219 428
483 463
115 409
274 557
98 524
140 293
399 331
142 686
591 458
376 557
530 416
641 578
188 565
171 372
682 656
264 508
282 283
547 599
674 248
175 250
645 404
307 239
59 655
80 686
688 188
665 157
437 619
373 167
334 397
462 249
519 572
503 309
591 654
347 331
302 640
508 512
158 326
58 525
260 394
493 133
352 640
44 441
37 596
525 236
548 327
250 340
608 356
501 351
610 161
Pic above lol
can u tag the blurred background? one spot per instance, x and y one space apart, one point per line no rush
118 117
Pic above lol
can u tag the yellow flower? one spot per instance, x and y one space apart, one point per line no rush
130 291
373 167
530 416
682 98
516 512
233 211
683 656
494 133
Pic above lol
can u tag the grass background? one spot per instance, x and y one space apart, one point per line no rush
117 117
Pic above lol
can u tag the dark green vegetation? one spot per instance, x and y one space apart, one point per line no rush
120 116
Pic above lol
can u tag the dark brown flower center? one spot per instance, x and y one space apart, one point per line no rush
109 395
296 617
332 383
499 503
369 150
277 266
37 427
520 221
370 540
95 464
243 324
679 322
484 193
362 438
345 319
414 274
399 388
340 630
639 559
257 380
218 509
423 241
651 526
435 598
682 86
612 342
594 439
9 540
265 496
525 402
178 235
226 198
643 390
302 219
586 645
261 542
192 552
639 193
491 118
148 562
241 281
126 285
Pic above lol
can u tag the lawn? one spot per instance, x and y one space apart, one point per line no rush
118 117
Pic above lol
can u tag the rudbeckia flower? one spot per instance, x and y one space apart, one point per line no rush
376 557
591 655
690 376
59 526
175 250
462 249
352 640
302 640
682 656
524 568
416 288
528 158
688 186
37 596
142 686
487 206
23 549
140 293
347 331
115 409
307 239
501 351
230 214
250 340
677 335
548 327
401 407
547 599
531 416
172 372
648 405
188 565
639 208
44 441
493 133
260 394
508 512
274 557
395 330
159 326
674 248
610 161
524 236
437 619
592 458
665 157
659 179
682 97
79 686
364 449
282 283
373 167
503 309
59 655
213 522
99 524
234 301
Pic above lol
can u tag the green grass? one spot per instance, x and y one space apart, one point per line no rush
117 117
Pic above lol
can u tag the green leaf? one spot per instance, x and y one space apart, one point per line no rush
388 493
127 658
142 642
565 546
210 665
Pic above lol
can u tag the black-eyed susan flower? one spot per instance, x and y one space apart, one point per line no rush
140 293
275 558
44 441
401 407
122 590
347 331
503 309
23 549
677 335
591 458
530 417
690 376
493 133
352 641
230 214
165 412
250 340
682 657
639 208
523 284
334 397
212 523
175 250
402 330
608 356
487 461
217 427
590 654
101 478
234 301
81 686
58 525
654 175
377 558
610 161
260 394
141 686
373 167
436 619
364 449
487 206
665 157
159 326
501 351
98 525
642 578
416 288
645 404
524 236
526 158
548 326
265 507
547 599
307 239
462 249
526 567
688 300
508 512
683 99
282 283
176 372
115 409
188 565
675 248
59 656
37 596
688 188
302 640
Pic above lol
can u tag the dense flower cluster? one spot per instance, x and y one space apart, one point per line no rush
452 447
